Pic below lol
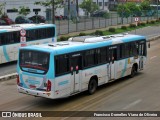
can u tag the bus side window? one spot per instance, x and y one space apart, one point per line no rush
135 48
61 64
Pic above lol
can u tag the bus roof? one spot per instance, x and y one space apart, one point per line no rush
93 42
17 27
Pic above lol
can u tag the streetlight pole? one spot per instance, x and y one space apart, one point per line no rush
77 8
53 12
103 4
157 9
68 14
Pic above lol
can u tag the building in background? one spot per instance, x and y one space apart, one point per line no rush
12 7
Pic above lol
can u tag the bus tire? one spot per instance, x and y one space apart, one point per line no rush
133 71
92 86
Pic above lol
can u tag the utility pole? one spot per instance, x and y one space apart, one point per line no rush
157 9
103 4
77 8
53 12
68 9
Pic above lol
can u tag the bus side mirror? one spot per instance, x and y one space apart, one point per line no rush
149 45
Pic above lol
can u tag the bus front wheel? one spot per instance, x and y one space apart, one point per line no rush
92 86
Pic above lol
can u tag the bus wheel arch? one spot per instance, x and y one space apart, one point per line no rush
134 70
92 85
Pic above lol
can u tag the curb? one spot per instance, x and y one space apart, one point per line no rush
14 75
8 77
153 38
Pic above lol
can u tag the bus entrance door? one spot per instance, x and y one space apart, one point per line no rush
112 62
76 67
141 54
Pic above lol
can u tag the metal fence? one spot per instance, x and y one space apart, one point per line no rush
89 23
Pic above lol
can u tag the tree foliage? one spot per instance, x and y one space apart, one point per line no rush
48 3
2 5
132 9
23 10
145 5
123 10
89 6
135 10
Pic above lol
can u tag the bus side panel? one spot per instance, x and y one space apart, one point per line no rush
124 67
13 51
1 55
62 86
100 71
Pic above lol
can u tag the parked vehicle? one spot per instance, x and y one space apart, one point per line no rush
2 22
99 13
38 19
61 17
7 20
22 19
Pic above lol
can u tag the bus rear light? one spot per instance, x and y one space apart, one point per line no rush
49 85
18 82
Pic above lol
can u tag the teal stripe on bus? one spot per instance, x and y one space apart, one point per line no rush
6 54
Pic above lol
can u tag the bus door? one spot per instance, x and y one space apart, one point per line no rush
76 67
112 62
141 54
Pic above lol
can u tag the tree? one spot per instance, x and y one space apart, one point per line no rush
2 5
24 11
135 10
146 7
89 6
123 10
51 3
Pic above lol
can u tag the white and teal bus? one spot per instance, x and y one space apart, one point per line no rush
11 40
62 69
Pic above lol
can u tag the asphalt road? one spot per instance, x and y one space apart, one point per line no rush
149 32
140 93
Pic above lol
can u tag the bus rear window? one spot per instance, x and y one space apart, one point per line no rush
34 61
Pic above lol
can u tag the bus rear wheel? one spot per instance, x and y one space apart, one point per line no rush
92 86
133 71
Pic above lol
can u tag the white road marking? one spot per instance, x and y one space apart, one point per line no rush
132 104
152 57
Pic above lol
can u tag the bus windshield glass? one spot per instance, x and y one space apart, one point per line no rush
31 61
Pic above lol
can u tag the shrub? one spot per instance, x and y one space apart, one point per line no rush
152 22
82 34
132 25
143 23
112 30
139 24
98 32
124 27
147 22
63 38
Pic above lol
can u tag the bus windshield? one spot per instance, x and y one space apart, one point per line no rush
34 60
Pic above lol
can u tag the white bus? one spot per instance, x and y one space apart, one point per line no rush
11 40
79 64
